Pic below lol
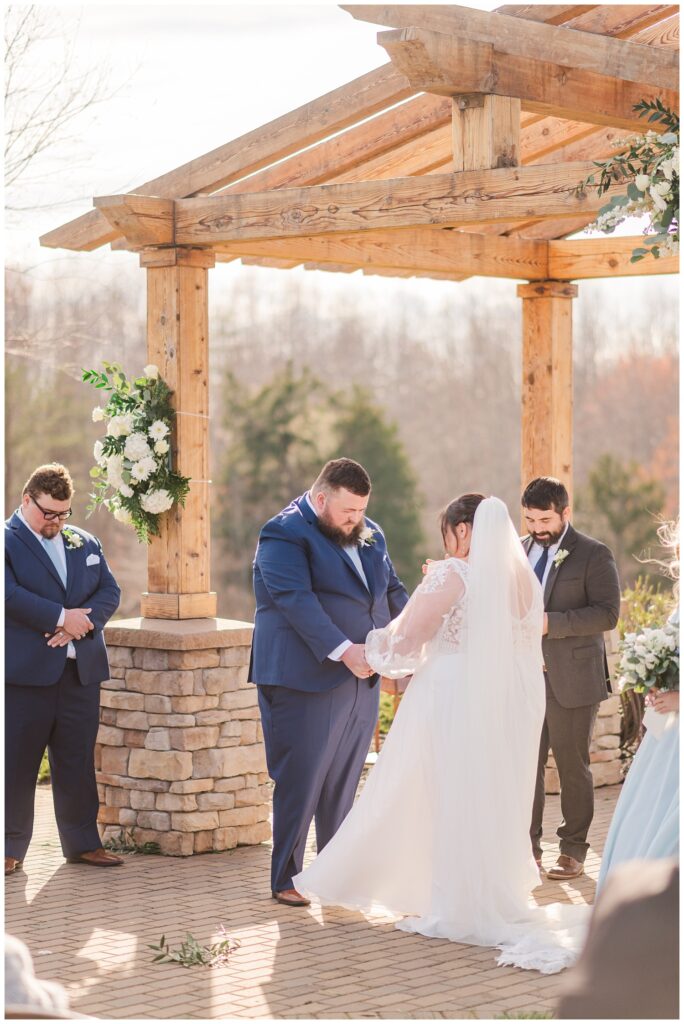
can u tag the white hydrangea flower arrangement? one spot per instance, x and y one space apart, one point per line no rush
133 476
650 167
649 659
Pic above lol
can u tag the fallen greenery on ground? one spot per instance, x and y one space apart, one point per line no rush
191 954
125 843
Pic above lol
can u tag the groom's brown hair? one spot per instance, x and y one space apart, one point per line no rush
345 473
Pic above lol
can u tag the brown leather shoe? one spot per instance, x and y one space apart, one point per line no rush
99 858
565 867
12 865
291 898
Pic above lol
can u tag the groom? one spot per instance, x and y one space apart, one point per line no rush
581 602
322 581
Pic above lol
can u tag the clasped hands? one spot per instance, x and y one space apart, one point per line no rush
355 660
75 626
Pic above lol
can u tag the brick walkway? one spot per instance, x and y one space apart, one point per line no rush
89 929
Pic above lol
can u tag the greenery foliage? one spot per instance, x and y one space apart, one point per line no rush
621 505
191 953
133 477
650 166
125 842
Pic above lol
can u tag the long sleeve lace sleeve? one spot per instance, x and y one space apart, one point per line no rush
398 649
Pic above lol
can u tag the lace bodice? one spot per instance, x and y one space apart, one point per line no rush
451 635
431 621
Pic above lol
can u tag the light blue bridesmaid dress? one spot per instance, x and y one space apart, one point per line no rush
646 819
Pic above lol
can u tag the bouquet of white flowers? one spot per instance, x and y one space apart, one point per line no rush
649 660
133 476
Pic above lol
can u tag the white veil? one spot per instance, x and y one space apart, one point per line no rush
504 700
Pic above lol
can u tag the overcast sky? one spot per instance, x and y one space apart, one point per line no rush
186 79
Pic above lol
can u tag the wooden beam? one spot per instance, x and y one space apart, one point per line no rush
485 132
372 140
550 14
519 37
448 65
515 193
142 220
584 258
302 127
547 380
417 250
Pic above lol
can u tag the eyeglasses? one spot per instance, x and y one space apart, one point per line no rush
50 516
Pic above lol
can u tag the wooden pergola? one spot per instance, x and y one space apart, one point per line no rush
459 157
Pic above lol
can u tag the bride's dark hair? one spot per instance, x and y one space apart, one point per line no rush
460 510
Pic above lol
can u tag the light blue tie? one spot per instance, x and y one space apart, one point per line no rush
56 561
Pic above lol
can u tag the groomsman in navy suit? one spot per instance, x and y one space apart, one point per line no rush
59 594
322 579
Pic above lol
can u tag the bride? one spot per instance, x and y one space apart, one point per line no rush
440 832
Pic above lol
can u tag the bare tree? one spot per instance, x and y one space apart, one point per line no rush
44 98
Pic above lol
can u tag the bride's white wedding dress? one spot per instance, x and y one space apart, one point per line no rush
440 832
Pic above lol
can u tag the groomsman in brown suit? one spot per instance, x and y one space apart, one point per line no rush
581 603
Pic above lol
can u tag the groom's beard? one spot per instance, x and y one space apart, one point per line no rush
548 538
339 536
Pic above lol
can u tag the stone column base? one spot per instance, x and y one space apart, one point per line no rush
180 757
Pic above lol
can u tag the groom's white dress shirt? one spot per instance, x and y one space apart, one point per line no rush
353 552
536 551
58 555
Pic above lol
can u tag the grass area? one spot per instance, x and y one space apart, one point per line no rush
44 770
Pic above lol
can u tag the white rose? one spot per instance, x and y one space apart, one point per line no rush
126 491
122 515
156 501
642 181
158 430
161 447
136 447
666 168
658 200
98 454
98 414
151 371
663 187
115 471
120 426
143 469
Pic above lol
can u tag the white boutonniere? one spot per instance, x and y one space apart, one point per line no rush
72 539
367 536
560 557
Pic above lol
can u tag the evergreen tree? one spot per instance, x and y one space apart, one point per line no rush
620 505
361 432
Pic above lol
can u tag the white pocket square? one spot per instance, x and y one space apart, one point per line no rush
93 560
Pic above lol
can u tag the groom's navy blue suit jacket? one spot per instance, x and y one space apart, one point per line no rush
310 598
34 598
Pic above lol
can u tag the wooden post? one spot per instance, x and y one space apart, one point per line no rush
178 566
485 132
547 380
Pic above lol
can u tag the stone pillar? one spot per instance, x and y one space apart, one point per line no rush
180 757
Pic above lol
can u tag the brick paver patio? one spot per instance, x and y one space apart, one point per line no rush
90 930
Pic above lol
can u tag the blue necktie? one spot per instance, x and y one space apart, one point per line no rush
56 561
541 565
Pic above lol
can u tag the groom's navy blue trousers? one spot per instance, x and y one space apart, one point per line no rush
316 745
64 718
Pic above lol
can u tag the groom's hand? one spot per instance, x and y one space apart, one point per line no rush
545 626
355 660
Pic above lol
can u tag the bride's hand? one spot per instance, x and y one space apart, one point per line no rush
665 701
